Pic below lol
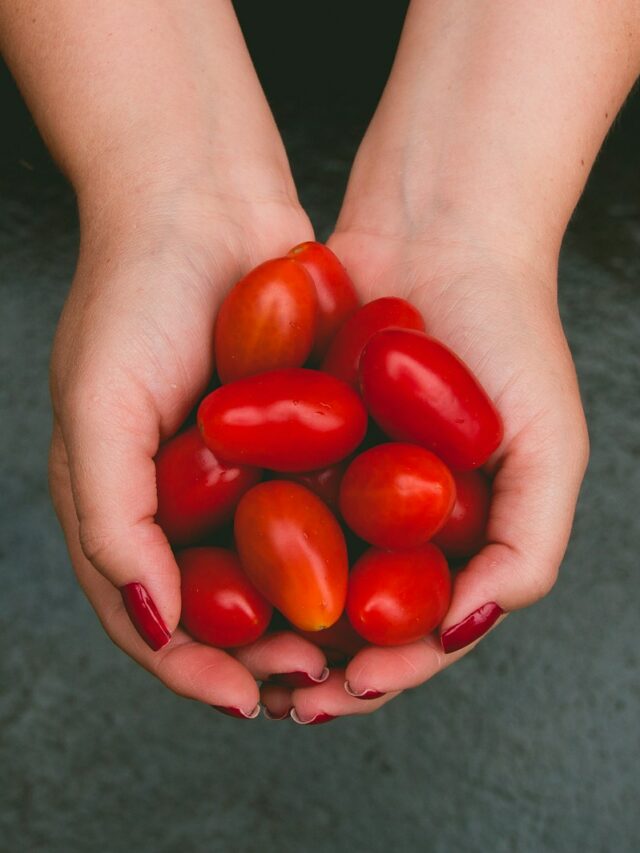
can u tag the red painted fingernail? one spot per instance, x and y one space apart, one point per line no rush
471 628
366 694
237 712
298 678
144 615
271 716
314 721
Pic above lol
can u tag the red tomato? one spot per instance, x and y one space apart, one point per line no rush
219 604
293 550
343 356
398 597
419 391
197 493
396 495
267 320
339 642
324 483
465 530
337 298
286 420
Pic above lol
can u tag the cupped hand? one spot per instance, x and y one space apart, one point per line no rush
132 355
499 314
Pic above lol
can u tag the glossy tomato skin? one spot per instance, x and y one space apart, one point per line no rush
325 483
398 597
285 420
293 550
464 532
220 606
396 495
343 356
337 297
197 493
419 391
267 321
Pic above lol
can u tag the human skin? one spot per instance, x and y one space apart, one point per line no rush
458 200
153 111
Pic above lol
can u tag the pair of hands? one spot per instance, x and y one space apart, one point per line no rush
133 354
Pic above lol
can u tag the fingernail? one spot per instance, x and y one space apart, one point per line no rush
314 721
366 694
237 712
271 716
298 678
471 628
144 615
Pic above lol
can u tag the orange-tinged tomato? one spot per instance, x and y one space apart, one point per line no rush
267 321
293 550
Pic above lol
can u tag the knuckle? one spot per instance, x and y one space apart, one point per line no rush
96 541
540 582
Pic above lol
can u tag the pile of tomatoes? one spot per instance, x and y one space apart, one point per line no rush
333 471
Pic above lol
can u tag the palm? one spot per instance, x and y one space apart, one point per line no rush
504 324
120 386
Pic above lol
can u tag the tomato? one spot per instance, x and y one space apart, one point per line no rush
268 320
220 606
464 532
337 297
398 597
293 550
396 495
419 391
343 356
197 493
325 483
286 420
339 642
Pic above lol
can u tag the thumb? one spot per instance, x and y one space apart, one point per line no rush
534 498
110 449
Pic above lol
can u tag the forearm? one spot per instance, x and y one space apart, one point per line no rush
156 92
492 118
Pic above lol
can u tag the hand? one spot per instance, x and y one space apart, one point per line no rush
133 353
500 315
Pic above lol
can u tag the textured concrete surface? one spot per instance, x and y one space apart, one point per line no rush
530 744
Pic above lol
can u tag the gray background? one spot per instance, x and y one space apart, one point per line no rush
529 744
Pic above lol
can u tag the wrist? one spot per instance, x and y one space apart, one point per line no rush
402 194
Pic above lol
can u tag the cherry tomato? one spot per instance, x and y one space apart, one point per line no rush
268 320
337 298
339 642
197 493
325 483
398 597
343 356
464 531
293 550
286 420
419 391
220 606
396 495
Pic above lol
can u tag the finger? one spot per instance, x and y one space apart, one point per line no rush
189 669
377 670
284 658
325 702
110 446
276 701
534 498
